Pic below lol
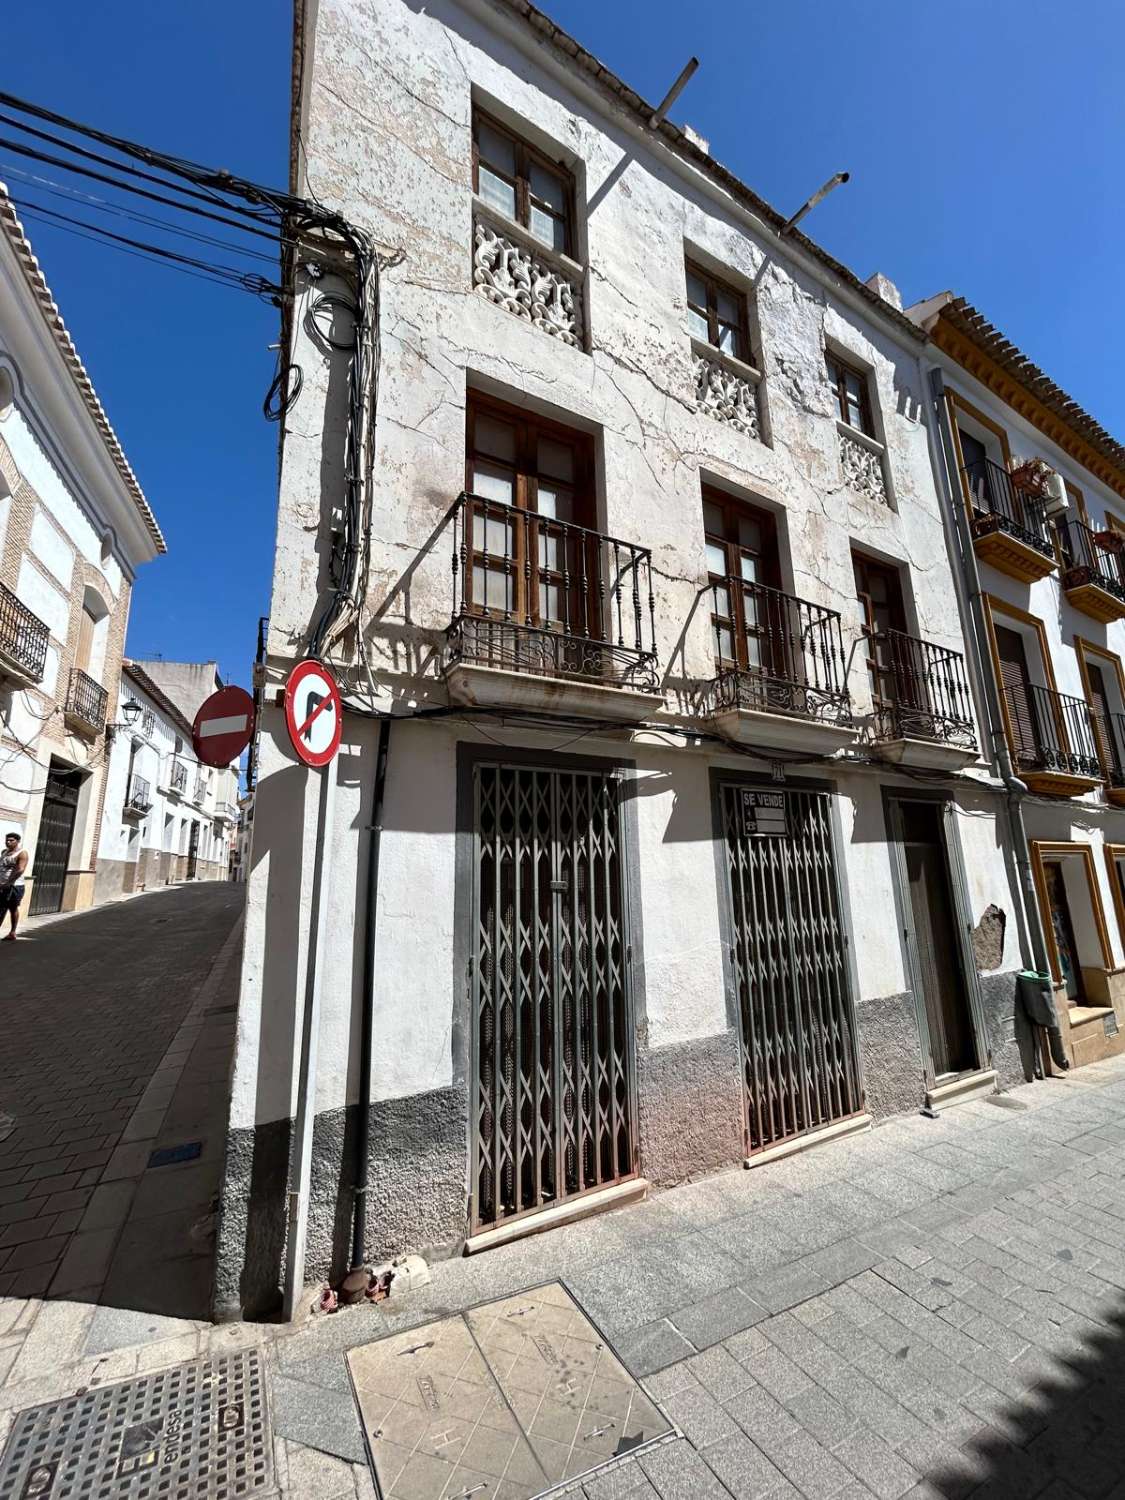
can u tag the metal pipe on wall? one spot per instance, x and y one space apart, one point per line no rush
367 1019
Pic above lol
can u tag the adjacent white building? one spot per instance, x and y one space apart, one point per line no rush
693 848
166 817
74 528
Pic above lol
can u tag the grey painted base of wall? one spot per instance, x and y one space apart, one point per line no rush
111 879
417 1196
1008 1033
689 1105
890 1055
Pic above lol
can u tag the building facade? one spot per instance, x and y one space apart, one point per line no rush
166 817
74 527
662 641
1042 488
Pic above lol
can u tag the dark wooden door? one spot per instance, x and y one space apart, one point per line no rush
1015 684
879 590
52 848
1063 928
941 975
193 851
1100 712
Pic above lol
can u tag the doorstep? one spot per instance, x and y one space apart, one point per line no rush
569 1212
961 1089
835 1132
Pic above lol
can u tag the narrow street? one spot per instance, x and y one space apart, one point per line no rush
118 1047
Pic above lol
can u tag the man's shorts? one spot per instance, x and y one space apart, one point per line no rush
10 899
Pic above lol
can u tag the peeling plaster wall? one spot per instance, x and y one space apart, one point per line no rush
387 142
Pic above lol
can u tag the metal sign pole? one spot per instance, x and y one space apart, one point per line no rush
310 1035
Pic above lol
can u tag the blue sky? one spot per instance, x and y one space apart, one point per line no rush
984 143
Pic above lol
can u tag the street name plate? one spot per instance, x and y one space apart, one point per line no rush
188 1433
764 813
501 1403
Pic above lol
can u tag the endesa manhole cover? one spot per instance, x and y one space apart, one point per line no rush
196 1432
504 1402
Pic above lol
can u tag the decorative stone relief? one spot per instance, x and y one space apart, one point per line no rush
723 394
514 278
863 469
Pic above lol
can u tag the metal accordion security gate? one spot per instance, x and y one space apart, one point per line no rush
799 1065
553 1086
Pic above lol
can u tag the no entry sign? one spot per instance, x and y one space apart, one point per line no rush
312 712
223 727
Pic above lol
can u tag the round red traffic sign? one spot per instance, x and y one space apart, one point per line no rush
313 714
223 727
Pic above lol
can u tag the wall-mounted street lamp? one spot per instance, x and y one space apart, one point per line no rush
132 711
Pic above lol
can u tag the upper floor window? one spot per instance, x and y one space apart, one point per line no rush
850 389
742 559
520 182
717 314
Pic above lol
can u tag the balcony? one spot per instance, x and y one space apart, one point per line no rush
792 693
1053 740
200 790
549 617
1093 579
138 799
923 710
177 778
1111 738
1009 524
86 702
23 641
148 723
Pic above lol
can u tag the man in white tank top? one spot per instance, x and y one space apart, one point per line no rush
13 863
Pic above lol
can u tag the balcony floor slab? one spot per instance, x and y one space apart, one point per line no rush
926 755
756 727
518 692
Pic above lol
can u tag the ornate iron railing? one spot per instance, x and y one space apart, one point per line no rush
1113 736
148 722
139 796
200 789
795 650
86 700
178 778
921 691
1001 505
1087 558
536 595
23 636
1052 731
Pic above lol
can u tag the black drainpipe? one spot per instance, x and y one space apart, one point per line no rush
367 1021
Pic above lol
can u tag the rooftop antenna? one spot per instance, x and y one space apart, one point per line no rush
673 93
810 203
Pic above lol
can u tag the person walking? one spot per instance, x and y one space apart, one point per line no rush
13 863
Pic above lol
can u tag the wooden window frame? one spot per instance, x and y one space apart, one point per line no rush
955 402
1043 850
839 367
1083 649
714 285
736 621
877 671
527 571
526 154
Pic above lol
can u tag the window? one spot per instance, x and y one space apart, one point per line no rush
717 314
534 556
853 401
521 183
878 588
741 543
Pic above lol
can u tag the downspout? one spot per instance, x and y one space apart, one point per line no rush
367 1020
1032 927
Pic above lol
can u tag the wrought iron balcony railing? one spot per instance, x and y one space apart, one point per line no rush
86 700
139 796
536 595
1001 505
795 661
148 723
1090 557
921 691
178 779
1052 731
200 789
23 636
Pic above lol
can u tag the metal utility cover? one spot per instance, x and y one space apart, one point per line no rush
198 1431
503 1402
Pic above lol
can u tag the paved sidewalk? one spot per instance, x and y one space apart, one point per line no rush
111 1050
933 1309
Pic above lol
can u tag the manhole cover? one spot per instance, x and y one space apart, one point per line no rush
198 1430
502 1403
